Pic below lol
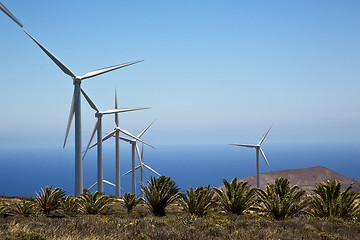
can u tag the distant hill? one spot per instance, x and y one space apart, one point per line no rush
305 178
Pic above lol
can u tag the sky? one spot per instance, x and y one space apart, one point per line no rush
215 72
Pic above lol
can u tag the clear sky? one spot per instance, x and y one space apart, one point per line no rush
215 72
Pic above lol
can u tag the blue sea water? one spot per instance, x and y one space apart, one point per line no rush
24 171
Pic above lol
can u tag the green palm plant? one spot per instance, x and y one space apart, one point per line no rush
49 198
24 207
330 201
94 203
3 210
198 201
130 201
236 197
70 205
159 193
280 200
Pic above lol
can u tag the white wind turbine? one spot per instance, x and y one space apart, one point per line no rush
134 148
98 129
258 149
141 166
7 12
76 109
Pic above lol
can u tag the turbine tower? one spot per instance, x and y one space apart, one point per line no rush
98 129
258 149
141 166
76 108
7 12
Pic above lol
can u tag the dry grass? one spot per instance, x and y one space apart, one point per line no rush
141 224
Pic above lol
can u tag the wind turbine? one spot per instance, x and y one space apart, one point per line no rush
133 148
258 149
98 129
76 108
7 12
141 166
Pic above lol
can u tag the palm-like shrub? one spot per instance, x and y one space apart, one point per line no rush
237 196
280 200
198 201
70 205
50 197
24 207
94 203
3 210
330 201
159 193
130 201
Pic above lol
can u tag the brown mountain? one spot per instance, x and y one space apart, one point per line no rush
305 178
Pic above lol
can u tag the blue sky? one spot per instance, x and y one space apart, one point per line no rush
215 72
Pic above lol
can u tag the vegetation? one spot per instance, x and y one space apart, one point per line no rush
50 198
330 201
130 201
198 201
181 225
159 193
280 200
24 207
70 205
3 210
237 196
94 203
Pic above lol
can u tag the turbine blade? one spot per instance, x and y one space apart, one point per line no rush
244 145
126 139
135 137
7 12
142 153
151 169
145 129
263 138
108 69
109 136
126 173
62 66
105 181
121 110
88 99
91 138
138 153
104 138
92 186
263 154
71 115
116 114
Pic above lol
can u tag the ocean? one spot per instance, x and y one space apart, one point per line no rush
24 171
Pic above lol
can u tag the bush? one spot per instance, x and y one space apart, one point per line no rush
237 196
159 193
130 201
330 201
3 210
49 197
280 200
94 203
198 201
24 207
70 205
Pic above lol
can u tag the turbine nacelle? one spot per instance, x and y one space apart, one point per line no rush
76 80
99 114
